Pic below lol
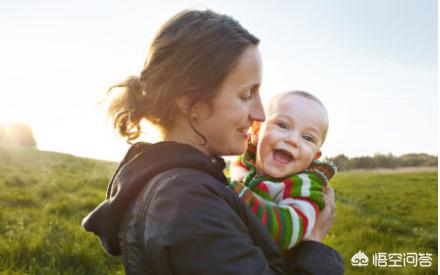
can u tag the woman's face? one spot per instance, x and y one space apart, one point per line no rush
234 109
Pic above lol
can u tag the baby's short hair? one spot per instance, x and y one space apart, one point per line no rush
303 94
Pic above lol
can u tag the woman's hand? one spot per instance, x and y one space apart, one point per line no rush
325 219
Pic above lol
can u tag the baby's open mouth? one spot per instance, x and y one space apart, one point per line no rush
282 156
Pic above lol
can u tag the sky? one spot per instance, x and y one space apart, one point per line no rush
373 63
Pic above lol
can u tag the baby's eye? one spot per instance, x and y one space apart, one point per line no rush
282 125
308 138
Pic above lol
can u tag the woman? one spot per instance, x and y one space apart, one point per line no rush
167 209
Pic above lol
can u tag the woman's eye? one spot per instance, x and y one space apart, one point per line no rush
308 138
282 125
247 95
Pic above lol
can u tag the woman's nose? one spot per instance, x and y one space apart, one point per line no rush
257 111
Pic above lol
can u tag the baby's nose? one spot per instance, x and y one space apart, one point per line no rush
293 140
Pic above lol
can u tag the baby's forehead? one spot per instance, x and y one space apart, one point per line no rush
289 101
293 105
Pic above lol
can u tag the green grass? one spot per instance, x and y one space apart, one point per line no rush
392 213
44 196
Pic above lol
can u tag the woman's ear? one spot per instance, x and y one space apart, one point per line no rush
182 103
197 110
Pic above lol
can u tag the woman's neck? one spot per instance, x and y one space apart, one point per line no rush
187 139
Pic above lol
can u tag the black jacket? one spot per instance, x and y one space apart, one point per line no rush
168 212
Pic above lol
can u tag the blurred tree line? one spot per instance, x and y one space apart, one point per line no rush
384 161
17 133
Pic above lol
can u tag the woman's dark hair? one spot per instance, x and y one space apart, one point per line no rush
190 56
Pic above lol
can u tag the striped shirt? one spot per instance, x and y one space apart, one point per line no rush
288 207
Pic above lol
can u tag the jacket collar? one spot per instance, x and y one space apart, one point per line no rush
142 162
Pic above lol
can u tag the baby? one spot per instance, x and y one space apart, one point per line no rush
280 177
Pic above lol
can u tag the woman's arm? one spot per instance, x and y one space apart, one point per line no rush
196 226
312 256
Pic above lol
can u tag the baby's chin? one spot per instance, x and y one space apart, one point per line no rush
276 173
267 168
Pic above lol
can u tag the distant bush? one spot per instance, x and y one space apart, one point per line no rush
384 161
17 133
3 135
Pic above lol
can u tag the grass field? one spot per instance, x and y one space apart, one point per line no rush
44 196
391 213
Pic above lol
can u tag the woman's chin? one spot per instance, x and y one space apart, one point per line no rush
239 149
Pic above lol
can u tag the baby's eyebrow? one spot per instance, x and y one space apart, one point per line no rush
313 130
278 116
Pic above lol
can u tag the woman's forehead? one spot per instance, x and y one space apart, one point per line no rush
248 71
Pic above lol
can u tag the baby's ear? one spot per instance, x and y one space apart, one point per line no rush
317 155
255 132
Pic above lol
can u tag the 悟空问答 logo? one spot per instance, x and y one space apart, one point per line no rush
359 259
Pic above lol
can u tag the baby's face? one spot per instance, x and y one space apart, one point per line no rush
291 137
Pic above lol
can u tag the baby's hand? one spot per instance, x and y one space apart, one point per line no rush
325 170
